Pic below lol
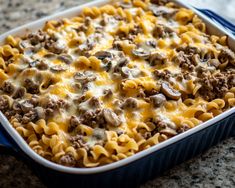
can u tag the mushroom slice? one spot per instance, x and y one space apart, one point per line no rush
196 59
59 68
226 54
84 77
67 59
151 43
19 92
141 53
167 90
157 100
24 44
157 58
130 103
121 63
26 106
103 54
29 51
162 11
214 62
168 131
111 118
125 72
50 56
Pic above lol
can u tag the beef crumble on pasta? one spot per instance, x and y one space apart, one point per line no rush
113 81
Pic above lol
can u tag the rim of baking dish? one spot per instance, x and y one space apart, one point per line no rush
71 170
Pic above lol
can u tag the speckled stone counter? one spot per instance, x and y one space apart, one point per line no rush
214 168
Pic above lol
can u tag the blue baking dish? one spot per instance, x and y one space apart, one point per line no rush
134 170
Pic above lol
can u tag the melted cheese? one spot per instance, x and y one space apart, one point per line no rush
132 28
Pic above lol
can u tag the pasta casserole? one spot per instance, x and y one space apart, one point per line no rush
114 80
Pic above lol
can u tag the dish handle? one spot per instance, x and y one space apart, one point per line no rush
5 141
219 19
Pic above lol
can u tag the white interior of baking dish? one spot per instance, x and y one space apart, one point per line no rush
212 27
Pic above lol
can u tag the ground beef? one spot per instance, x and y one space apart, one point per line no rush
183 128
188 50
184 61
99 118
38 37
80 99
88 117
81 28
74 122
68 160
39 64
95 102
85 47
78 142
130 103
164 75
34 100
18 117
53 105
121 63
24 111
8 87
213 86
4 103
162 127
55 46
19 93
93 118
189 56
161 31
56 104
31 86
121 35
30 116
26 106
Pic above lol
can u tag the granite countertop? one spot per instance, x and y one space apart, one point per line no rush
214 168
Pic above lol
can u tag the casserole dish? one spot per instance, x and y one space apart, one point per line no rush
143 160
